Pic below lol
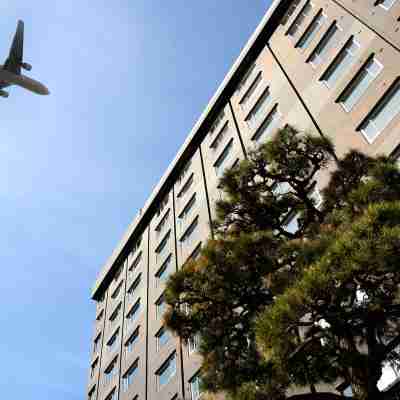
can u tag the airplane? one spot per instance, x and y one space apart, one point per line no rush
10 72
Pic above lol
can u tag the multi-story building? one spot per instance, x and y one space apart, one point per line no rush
331 67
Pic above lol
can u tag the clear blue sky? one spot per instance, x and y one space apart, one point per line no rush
128 79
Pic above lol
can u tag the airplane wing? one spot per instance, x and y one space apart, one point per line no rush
15 57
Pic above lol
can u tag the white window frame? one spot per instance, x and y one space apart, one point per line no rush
363 73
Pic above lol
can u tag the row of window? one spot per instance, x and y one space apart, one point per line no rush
386 108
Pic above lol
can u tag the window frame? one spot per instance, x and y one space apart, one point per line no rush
130 373
223 156
312 29
132 339
164 267
300 15
162 331
134 312
267 123
164 367
114 315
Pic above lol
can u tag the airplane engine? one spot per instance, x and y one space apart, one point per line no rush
4 94
26 66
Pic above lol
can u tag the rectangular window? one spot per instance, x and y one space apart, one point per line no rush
219 165
92 393
246 77
265 130
162 337
385 4
115 313
359 85
100 316
118 272
112 395
164 271
163 223
184 172
160 307
196 253
96 343
195 387
186 187
117 291
341 63
93 367
258 111
163 204
193 344
110 371
220 137
163 248
134 288
216 123
129 376
311 31
292 225
130 343
135 265
251 90
327 43
136 245
133 314
113 341
186 211
302 15
191 234
292 8
167 371
382 114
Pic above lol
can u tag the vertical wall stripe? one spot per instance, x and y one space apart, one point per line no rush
206 190
238 130
126 262
147 313
176 268
102 342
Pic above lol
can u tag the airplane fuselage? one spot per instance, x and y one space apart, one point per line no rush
8 78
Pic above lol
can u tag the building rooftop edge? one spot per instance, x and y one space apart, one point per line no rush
135 224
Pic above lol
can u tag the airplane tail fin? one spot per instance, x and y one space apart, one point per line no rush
16 55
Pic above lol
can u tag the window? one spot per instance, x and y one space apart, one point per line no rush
290 11
167 371
96 343
219 165
311 31
136 245
163 223
130 343
190 234
327 42
219 138
385 4
186 211
382 114
164 271
163 247
196 253
268 125
315 195
341 63
251 90
195 387
135 264
292 226
93 367
117 291
113 341
304 12
118 272
259 109
115 313
129 376
184 172
100 316
162 337
163 204
193 344
216 123
112 395
133 313
358 86
246 77
161 306
92 393
186 187
132 291
110 371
